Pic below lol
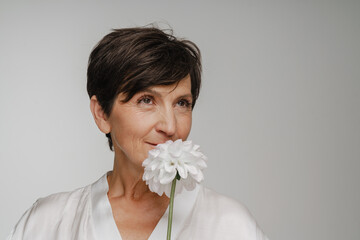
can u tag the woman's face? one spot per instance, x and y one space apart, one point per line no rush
152 116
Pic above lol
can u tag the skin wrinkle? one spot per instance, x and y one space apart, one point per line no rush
136 181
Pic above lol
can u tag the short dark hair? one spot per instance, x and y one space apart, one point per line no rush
129 60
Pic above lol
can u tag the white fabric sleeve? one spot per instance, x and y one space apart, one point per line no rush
20 228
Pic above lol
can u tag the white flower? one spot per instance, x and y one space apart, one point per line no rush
167 159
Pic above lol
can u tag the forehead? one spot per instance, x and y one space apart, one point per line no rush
182 87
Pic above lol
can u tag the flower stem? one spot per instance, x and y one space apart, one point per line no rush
171 206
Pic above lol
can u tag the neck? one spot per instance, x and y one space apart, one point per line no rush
125 181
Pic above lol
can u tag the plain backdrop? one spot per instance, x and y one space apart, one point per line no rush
278 115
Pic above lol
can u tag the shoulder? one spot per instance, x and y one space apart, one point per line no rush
50 213
226 207
60 203
228 214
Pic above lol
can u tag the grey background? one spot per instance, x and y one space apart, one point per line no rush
278 115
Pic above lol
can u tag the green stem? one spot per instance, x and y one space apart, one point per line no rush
171 206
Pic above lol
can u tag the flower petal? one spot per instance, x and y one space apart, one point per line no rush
170 158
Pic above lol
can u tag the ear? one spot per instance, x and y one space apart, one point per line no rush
100 117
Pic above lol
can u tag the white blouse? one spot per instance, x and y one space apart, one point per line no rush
85 213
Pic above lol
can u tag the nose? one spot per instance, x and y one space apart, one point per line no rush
166 123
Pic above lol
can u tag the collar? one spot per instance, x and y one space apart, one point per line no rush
104 223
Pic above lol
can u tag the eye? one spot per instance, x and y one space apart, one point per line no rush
184 103
146 99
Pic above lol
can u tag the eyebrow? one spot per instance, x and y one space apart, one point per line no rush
159 94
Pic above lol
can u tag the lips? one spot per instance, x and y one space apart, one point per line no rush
152 144
155 143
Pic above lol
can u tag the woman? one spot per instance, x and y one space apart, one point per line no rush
143 84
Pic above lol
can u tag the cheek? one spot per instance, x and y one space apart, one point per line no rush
130 131
136 125
184 126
